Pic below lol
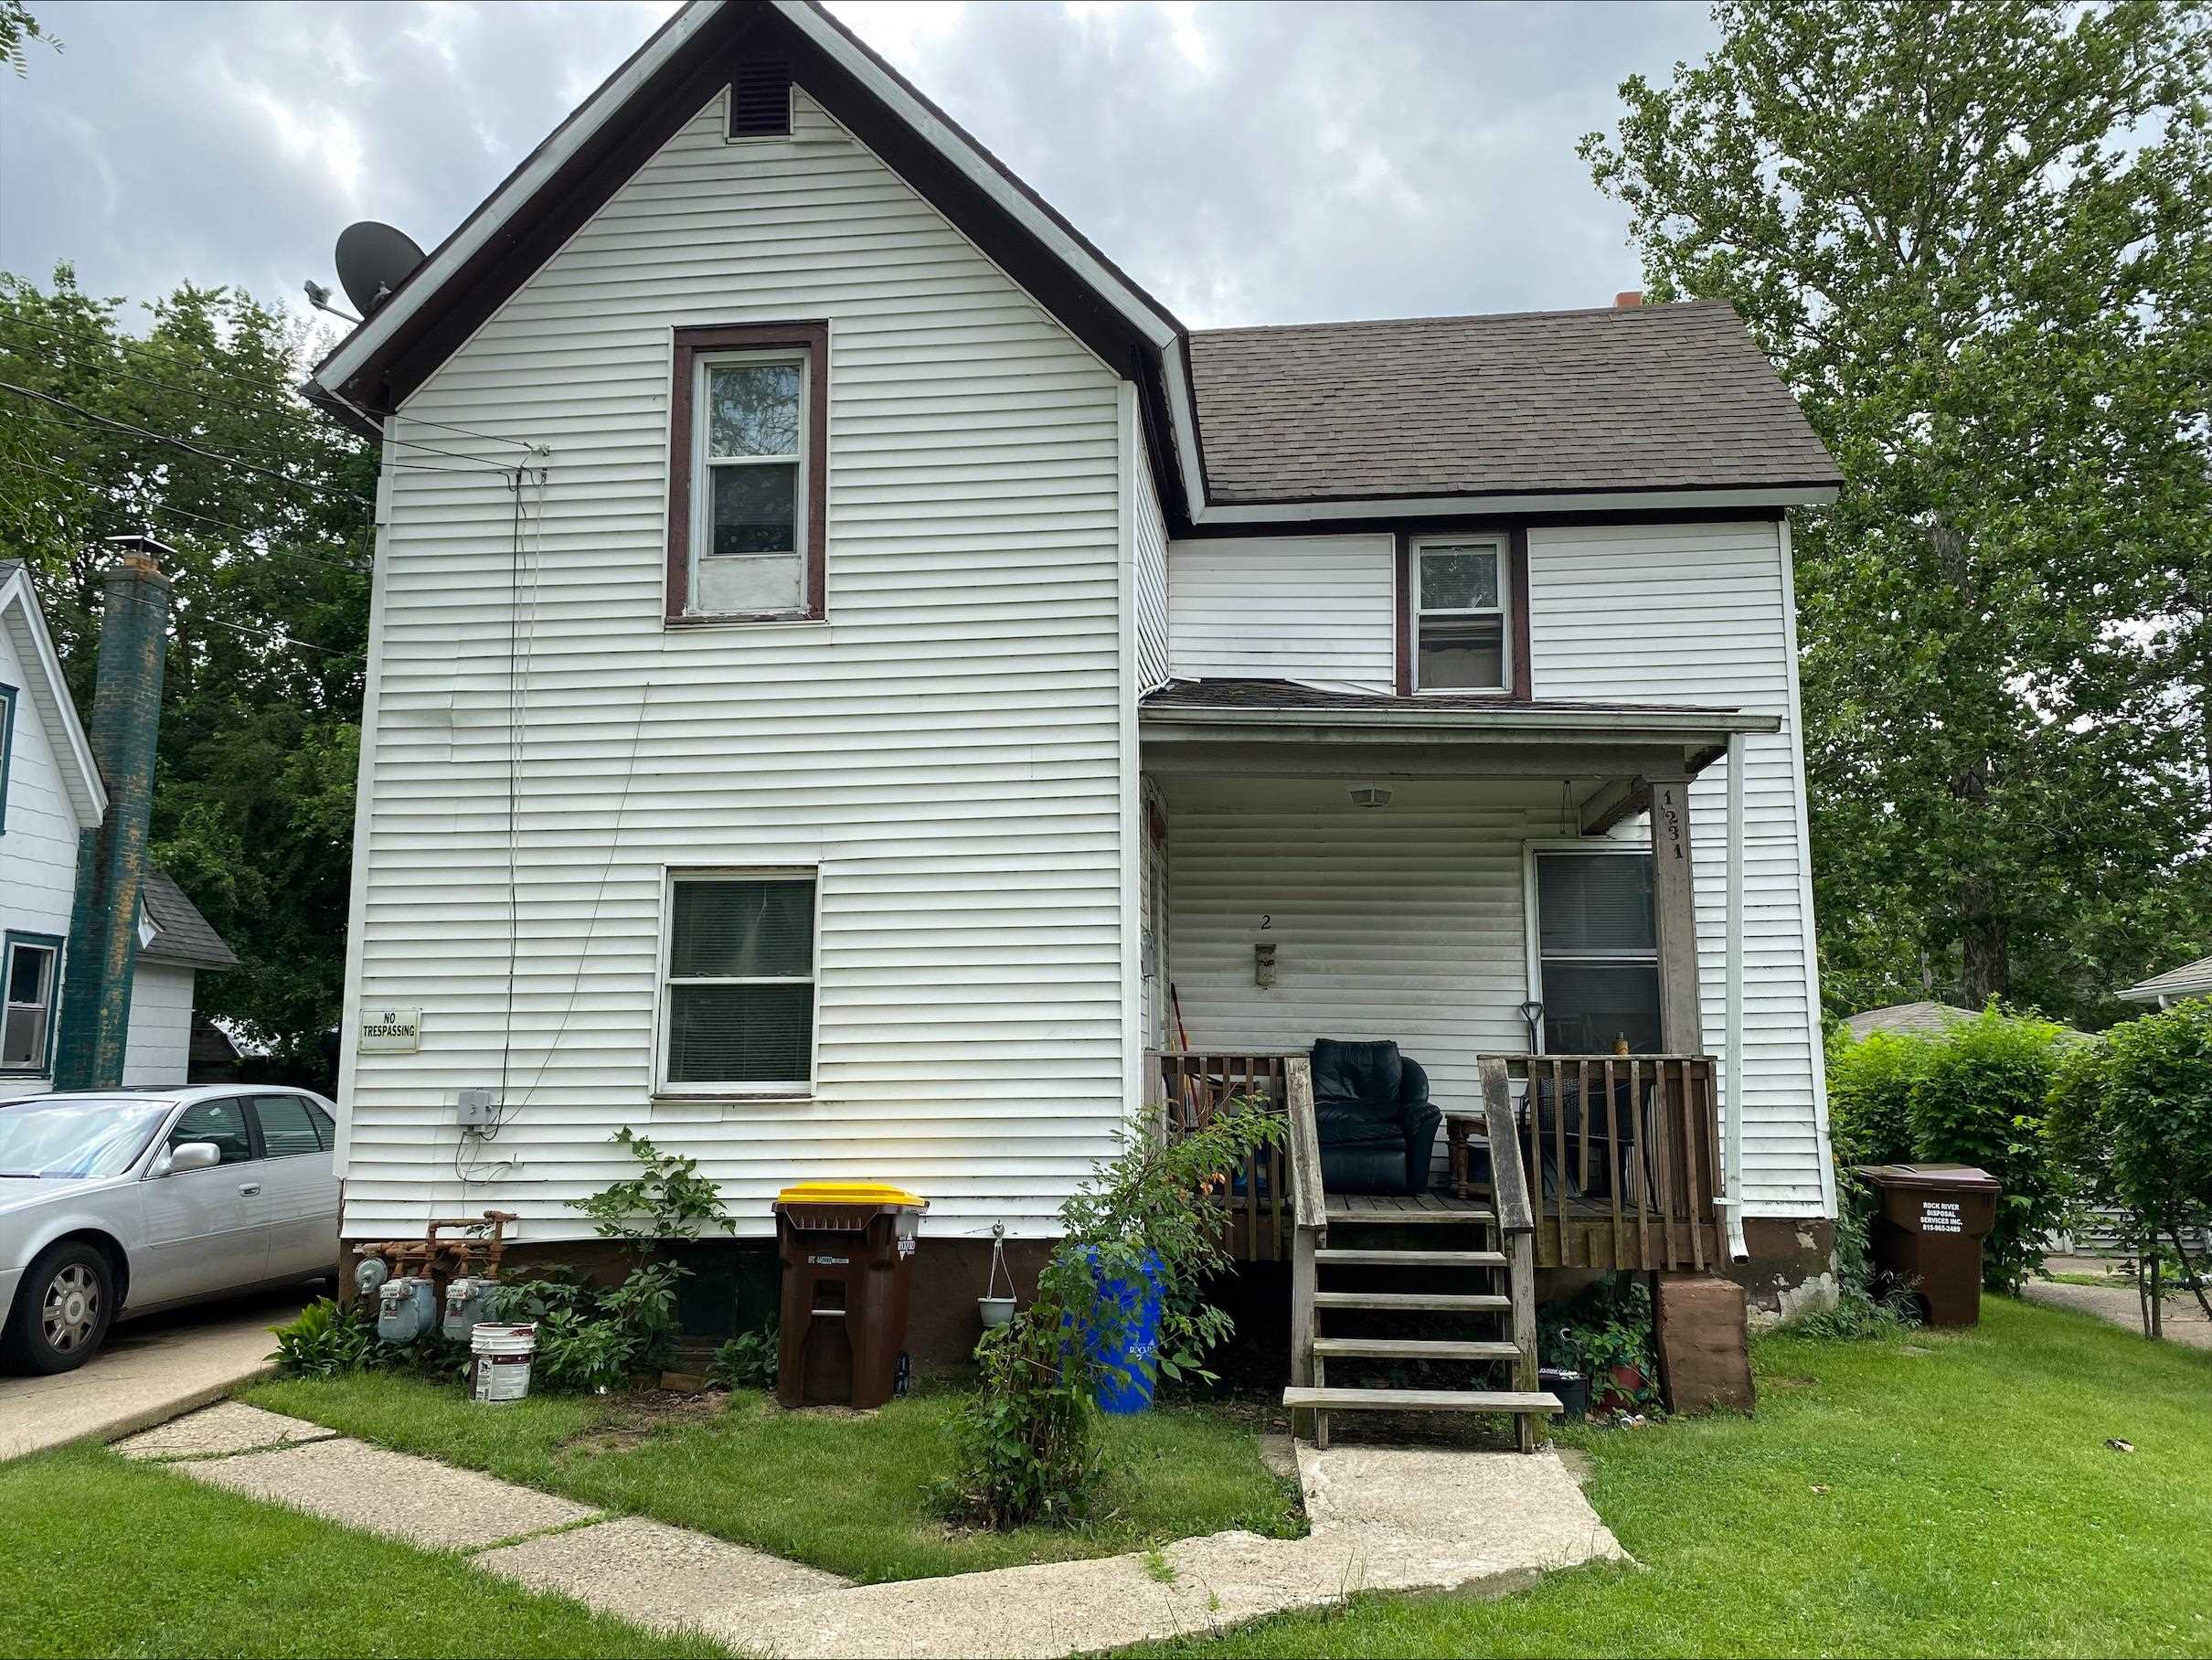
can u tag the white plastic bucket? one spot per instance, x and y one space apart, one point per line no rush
503 1361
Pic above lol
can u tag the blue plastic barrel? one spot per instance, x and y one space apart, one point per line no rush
1125 1334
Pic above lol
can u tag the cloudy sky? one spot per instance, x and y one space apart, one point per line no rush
1249 163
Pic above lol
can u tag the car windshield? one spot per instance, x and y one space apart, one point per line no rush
78 1136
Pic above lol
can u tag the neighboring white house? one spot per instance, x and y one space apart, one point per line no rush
862 675
2176 985
51 794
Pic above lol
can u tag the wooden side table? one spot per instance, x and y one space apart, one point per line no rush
1460 1129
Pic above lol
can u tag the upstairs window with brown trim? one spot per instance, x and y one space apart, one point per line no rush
747 455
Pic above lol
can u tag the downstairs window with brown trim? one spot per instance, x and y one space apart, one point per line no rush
749 473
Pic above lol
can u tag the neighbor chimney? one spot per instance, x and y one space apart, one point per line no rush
1628 297
111 857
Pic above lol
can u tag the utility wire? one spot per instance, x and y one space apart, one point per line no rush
282 639
214 455
114 512
288 393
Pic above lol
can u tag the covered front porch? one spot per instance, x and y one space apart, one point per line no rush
1508 892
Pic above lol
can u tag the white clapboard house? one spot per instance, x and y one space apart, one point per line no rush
859 690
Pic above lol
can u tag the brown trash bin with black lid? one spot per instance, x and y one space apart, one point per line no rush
1928 1232
847 1250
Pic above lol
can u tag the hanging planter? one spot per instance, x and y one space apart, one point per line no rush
995 1309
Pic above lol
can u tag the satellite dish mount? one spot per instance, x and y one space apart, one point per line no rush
372 260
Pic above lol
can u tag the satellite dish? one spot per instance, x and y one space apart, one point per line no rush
374 260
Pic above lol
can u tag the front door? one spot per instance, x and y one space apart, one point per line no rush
203 1227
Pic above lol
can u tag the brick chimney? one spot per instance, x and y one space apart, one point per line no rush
111 859
1628 297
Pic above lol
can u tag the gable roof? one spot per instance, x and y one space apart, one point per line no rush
2190 980
1645 398
1908 1017
49 695
1701 444
181 935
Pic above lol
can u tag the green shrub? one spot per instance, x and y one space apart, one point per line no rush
668 1199
1605 1325
1984 1099
1870 1085
2134 1113
748 1361
595 1338
323 1341
1026 1444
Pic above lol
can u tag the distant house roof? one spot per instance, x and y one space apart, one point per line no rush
1908 1017
2190 980
1627 397
181 935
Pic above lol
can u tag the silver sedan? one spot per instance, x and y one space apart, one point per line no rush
120 1203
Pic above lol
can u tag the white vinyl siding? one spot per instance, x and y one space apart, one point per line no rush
157 1044
38 843
944 751
1153 661
1699 615
1318 610
1407 922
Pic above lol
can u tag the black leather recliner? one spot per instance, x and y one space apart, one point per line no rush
1371 1112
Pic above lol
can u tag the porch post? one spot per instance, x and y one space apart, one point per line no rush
1674 903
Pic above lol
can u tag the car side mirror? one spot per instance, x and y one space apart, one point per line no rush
188 1156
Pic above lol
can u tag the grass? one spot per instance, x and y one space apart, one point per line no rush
102 1556
851 1493
1937 1494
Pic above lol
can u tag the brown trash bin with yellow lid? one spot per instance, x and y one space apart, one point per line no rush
847 1250
1928 1232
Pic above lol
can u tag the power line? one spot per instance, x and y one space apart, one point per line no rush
115 513
267 634
138 432
288 393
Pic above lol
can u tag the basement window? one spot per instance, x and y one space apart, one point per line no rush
738 993
747 520
1597 956
1460 607
31 978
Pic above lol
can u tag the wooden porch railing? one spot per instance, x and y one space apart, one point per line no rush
1618 1158
1260 1204
1517 1226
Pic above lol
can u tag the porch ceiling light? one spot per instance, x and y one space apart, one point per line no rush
1370 795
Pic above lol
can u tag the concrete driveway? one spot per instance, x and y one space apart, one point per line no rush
151 1370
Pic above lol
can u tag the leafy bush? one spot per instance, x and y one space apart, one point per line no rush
668 1199
748 1361
1603 1325
324 1340
1976 1094
2135 1113
595 1338
1026 1451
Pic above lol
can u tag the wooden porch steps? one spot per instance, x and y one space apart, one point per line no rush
1422 1302
1415 1348
1422 1400
1379 1217
1411 1259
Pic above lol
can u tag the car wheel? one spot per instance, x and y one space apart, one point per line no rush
63 1309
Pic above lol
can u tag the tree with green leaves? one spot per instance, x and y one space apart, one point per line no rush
184 426
17 26
1975 239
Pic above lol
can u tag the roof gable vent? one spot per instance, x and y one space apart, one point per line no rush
760 99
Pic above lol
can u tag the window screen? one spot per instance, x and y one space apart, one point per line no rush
741 986
1598 952
288 1128
1460 618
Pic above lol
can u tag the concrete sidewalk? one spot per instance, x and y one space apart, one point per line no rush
151 1370
1383 1519
2181 1320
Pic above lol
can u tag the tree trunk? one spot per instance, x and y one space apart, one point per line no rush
1984 972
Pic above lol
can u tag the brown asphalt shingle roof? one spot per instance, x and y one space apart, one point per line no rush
181 934
1651 397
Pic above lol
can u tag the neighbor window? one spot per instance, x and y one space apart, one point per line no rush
30 975
1459 608
1596 953
740 992
746 513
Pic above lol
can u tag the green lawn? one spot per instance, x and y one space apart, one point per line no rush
101 1556
847 1493
1944 1494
